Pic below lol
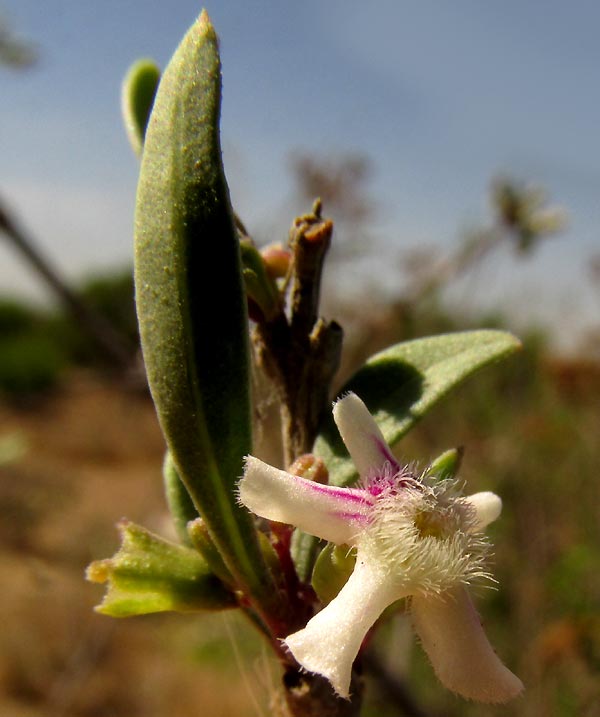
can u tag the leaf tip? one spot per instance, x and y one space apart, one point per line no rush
513 344
98 571
205 26
514 340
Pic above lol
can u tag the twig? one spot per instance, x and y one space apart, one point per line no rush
301 353
101 331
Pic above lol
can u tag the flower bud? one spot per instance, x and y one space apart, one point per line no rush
277 260
332 570
310 467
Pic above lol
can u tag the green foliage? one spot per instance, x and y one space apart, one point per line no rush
180 504
402 383
571 580
29 364
31 361
137 97
16 318
190 299
149 574
37 345
110 295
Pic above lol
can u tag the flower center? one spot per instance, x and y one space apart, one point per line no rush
431 523
421 532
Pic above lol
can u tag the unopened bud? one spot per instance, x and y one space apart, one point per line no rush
447 464
277 260
203 543
332 570
310 467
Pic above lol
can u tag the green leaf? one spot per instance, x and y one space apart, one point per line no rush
149 574
137 97
191 304
180 504
402 383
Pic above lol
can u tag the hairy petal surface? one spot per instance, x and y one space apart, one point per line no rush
328 512
453 638
361 435
330 641
487 506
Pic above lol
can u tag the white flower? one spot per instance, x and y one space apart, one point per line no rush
415 537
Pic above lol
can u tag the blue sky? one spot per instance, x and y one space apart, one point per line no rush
441 95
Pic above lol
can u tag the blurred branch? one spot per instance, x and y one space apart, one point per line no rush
111 343
392 688
521 216
340 181
15 52
471 251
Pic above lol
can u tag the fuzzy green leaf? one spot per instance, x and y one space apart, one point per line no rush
149 574
190 300
180 504
137 97
402 383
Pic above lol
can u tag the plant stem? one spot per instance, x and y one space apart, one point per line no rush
300 352
309 695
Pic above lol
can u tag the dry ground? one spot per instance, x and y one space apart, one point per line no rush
93 455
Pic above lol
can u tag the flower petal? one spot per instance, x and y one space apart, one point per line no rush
488 507
326 511
463 659
361 435
330 641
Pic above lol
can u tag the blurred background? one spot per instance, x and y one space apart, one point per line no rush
455 147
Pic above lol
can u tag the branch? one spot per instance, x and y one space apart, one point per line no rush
111 343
